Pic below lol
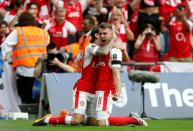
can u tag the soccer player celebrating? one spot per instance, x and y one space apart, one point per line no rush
85 100
84 90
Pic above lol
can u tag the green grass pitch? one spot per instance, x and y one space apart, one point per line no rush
154 125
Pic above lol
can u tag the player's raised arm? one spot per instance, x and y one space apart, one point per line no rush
116 61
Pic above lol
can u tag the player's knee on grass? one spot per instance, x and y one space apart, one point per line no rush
101 122
102 117
91 121
77 119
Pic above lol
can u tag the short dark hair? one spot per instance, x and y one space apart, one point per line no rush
59 9
78 34
149 24
4 23
26 19
105 25
51 46
32 3
181 7
90 18
94 30
18 3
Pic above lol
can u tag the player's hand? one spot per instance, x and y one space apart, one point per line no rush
115 97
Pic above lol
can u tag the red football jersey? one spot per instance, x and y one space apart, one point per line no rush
87 82
59 33
74 15
179 40
147 52
105 80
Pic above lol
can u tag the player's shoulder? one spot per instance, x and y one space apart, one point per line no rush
115 54
92 45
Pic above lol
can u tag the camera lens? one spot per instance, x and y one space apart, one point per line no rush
51 56
149 34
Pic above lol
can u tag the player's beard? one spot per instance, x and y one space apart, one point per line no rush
105 41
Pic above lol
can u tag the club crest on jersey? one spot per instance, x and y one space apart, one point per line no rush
114 56
94 65
81 103
93 46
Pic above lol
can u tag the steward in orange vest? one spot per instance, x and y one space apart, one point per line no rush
32 42
27 42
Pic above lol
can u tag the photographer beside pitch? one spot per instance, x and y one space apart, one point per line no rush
53 62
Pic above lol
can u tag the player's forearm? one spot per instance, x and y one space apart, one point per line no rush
101 52
125 56
117 79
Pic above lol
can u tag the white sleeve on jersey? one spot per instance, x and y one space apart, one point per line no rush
92 48
116 58
70 27
89 52
83 4
190 24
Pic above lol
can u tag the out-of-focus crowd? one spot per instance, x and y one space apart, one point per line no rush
150 31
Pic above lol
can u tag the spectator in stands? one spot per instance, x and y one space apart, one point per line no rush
180 29
3 5
133 24
130 15
84 40
74 11
61 28
189 4
27 42
109 4
4 31
122 5
53 62
45 10
148 13
166 8
97 10
121 27
147 46
11 17
32 8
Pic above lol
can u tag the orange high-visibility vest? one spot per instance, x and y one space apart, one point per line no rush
83 42
32 42
73 48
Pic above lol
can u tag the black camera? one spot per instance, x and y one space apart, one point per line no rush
149 34
59 56
180 7
51 56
